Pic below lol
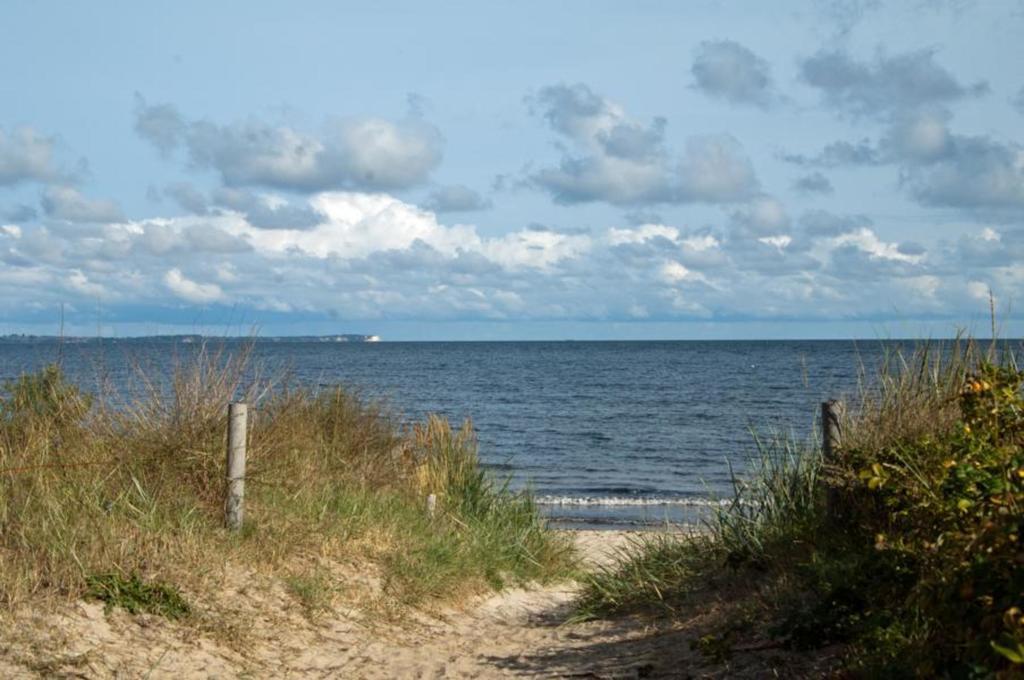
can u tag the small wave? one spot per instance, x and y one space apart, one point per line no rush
628 501
599 522
504 467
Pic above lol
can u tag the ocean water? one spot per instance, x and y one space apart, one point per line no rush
605 433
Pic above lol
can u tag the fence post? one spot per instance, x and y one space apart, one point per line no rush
831 440
831 428
431 505
234 504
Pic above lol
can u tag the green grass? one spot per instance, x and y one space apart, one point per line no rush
313 590
655 571
133 484
905 549
134 596
772 509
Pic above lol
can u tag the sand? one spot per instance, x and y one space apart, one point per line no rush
516 633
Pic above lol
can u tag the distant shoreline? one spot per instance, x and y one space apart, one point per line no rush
25 338
182 339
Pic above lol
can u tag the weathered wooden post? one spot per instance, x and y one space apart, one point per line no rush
431 505
234 504
831 440
831 428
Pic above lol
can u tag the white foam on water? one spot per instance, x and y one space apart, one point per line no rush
621 501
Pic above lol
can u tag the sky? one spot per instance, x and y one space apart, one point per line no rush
512 170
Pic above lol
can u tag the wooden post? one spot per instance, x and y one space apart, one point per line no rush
831 428
234 504
831 438
431 505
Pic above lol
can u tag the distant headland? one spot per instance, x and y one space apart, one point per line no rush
19 338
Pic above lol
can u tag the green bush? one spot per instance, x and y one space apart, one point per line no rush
948 507
906 548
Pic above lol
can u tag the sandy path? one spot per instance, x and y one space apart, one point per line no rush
517 633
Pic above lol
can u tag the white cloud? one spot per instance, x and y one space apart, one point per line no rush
618 236
674 272
357 153
374 256
779 241
887 84
691 243
978 290
81 284
700 243
191 291
25 277
356 225
621 161
977 173
67 203
227 273
730 71
927 286
868 242
921 137
764 216
456 198
26 156
534 249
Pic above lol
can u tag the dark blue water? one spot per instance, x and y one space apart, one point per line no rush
604 432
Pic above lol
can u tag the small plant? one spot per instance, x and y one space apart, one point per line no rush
654 572
313 592
715 648
45 395
134 595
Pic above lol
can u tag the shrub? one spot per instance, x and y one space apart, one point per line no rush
948 505
906 548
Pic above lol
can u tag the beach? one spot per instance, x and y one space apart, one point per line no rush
512 339
519 632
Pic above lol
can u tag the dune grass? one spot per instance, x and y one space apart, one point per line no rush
905 549
120 496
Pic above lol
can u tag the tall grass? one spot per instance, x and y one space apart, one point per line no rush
912 393
905 548
94 486
777 500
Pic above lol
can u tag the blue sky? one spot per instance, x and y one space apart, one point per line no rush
512 170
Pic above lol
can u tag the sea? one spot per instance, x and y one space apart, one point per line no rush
605 434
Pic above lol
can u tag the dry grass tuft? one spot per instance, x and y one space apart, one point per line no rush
129 487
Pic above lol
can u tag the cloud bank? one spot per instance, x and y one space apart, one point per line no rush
613 159
352 153
372 256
